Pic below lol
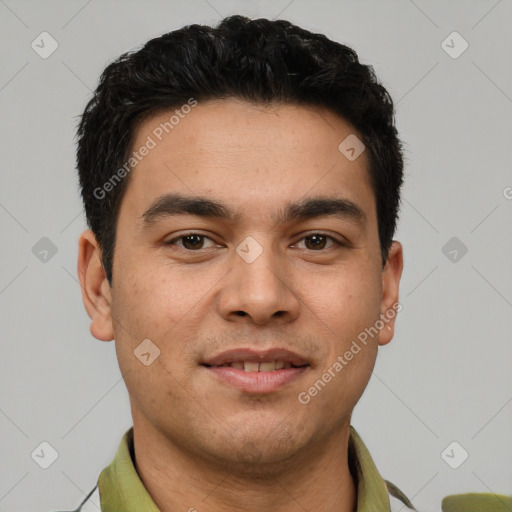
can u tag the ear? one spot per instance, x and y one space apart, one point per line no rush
96 293
390 286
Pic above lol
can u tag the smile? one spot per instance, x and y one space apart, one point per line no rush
256 371
266 366
257 378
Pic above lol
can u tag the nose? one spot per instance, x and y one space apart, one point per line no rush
260 291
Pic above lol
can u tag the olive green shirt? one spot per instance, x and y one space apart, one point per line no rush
120 489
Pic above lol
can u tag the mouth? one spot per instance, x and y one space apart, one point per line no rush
254 366
256 371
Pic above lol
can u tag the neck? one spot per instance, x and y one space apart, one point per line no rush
318 478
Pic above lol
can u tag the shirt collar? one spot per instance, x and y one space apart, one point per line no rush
120 485
122 489
372 492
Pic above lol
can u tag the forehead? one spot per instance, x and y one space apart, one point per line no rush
246 155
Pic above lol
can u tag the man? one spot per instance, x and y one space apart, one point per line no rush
242 186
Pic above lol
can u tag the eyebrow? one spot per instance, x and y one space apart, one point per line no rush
172 204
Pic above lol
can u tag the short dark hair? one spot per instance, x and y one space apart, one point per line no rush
260 61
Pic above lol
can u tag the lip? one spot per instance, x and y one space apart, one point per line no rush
256 356
256 382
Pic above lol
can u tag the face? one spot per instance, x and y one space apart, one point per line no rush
265 274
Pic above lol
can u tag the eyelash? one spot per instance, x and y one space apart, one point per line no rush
337 242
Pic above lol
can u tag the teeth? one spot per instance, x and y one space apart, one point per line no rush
268 367
265 366
250 367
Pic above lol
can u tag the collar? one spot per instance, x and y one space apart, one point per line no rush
122 489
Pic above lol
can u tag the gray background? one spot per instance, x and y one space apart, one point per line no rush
445 377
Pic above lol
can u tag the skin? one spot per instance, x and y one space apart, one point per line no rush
198 441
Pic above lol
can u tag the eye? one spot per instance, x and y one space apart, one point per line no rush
190 241
317 241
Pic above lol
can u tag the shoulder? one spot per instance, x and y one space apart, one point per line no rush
476 502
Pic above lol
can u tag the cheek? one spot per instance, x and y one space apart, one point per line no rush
347 303
153 301
148 309
163 305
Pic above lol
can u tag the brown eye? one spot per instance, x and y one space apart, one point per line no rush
193 241
319 241
316 242
189 241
